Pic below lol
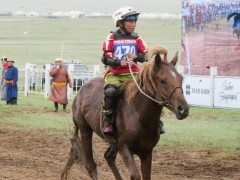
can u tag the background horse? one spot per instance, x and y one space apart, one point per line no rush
137 116
237 32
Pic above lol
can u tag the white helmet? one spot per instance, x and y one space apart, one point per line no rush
122 13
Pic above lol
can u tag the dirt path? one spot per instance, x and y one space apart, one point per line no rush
39 155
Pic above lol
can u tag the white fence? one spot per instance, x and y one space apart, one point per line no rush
32 80
203 91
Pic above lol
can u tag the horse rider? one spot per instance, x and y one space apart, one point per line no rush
120 47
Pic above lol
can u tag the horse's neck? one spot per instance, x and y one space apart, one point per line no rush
147 108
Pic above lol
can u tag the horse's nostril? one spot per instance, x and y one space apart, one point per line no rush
180 109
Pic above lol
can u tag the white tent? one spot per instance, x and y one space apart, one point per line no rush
19 13
32 14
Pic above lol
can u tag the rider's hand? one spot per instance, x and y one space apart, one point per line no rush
130 57
123 63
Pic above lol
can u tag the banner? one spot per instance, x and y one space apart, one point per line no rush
197 90
227 92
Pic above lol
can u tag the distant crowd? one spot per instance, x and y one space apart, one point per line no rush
197 15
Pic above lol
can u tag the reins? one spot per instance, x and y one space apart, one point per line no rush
161 102
139 88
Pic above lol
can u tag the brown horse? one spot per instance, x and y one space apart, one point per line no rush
137 116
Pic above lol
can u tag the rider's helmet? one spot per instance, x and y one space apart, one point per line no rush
124 13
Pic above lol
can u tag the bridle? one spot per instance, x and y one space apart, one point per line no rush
165 101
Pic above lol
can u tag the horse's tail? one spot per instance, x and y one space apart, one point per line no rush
75 154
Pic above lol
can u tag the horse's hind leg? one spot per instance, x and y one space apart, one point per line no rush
86 136
110 155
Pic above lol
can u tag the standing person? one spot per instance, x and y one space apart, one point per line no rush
3 81
59 87
43 77
121 47
33 77
11 77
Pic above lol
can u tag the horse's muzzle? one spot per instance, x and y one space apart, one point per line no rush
182 112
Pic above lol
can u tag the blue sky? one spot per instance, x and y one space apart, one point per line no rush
88 6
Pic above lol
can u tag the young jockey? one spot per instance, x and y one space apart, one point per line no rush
119 48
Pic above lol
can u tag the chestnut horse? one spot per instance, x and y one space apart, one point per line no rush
138 111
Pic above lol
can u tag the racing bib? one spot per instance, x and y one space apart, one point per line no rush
123 46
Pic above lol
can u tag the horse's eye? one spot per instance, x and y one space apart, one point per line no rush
163 82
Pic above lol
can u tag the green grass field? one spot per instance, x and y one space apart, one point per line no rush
214 130
82 38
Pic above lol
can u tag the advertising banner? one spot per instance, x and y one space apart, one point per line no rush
227 92
197 90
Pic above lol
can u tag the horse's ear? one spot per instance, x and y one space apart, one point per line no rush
158 60
175 59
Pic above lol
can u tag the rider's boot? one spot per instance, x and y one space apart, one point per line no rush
161 127
109 98
108 123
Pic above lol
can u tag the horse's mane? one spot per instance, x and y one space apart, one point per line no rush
145 77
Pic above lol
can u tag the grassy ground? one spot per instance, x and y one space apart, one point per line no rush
204 129
82 38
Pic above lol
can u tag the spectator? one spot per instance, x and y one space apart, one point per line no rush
60 79
3 81
11 77
43 77
33 77
199 14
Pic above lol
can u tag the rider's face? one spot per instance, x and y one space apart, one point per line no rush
130 26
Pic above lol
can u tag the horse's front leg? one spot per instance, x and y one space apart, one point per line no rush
110 155
128 159
146 165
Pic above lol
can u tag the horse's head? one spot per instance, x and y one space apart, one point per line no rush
161 80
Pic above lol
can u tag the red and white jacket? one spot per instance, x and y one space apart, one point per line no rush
117 45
